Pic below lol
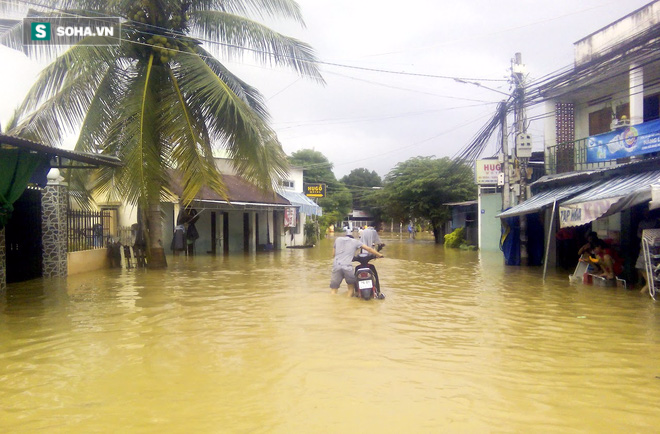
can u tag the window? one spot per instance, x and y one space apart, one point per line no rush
599 121
651 107
287 183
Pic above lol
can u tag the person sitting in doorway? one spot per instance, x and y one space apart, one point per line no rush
587 249
607 261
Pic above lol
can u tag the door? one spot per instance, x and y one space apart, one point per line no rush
23 238
214 237
225 233
246 232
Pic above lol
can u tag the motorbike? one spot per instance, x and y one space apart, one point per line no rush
367 285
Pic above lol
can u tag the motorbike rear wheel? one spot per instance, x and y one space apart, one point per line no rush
366 293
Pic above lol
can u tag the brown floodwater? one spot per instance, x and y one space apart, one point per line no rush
258 344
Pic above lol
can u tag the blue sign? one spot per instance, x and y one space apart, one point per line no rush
624 142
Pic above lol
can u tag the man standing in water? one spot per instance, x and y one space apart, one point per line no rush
342 268
369 237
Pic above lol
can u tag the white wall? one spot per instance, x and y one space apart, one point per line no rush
606 39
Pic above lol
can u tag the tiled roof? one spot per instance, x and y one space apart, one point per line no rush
238 190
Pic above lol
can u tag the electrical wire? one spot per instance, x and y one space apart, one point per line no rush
167 31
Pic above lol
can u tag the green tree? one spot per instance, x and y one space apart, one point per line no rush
318 169
361 182
361 177
159 100
420 186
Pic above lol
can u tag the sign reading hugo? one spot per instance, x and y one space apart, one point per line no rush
624 142
487 171
314 190
71 31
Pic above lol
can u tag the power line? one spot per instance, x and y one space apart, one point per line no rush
464 80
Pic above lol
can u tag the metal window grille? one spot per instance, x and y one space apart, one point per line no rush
87 230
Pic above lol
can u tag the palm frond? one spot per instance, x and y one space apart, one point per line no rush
236 35
231 121
133 136
247 93
62 113
192 153
287 9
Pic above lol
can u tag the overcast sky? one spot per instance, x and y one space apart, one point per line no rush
376 119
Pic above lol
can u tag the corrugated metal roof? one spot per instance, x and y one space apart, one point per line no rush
82 157
466 203
622 185
607 198
545 198
306 205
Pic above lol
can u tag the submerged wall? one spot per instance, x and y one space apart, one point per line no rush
87 260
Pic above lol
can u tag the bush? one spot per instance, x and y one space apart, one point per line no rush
455 239
311 228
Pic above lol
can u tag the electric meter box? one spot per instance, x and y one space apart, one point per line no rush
524 145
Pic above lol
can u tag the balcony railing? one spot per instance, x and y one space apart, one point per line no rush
570 157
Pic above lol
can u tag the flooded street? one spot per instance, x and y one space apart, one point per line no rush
258 344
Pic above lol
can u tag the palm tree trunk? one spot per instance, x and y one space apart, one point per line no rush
155 251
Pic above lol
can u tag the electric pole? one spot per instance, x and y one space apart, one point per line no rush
523 144
506 192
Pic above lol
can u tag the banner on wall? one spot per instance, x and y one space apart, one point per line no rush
624 142
290 218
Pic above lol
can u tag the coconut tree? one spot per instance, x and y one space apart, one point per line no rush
161 99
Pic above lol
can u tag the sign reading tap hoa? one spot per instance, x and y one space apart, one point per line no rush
487 171
314 190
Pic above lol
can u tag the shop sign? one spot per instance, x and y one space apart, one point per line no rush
624 142
487 171
582 213
314 190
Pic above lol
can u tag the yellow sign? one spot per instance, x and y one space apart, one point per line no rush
314 190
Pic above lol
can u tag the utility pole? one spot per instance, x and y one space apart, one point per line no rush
523 144
506 191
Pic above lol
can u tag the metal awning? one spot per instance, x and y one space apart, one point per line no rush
545 198
60 158
607 198
306 205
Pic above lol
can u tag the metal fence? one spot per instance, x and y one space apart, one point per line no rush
571 156
87 230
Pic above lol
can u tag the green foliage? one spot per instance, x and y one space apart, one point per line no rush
159 100
421 186
362 178
455 239
318 169
310 230
361 183
328 219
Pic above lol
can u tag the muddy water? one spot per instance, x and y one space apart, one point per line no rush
258 344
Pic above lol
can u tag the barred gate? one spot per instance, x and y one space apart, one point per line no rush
87 230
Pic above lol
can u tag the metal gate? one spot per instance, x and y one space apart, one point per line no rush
23 238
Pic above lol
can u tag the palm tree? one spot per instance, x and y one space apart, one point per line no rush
160 100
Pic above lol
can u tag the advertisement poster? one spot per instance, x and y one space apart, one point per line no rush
624 142
487 171
289 217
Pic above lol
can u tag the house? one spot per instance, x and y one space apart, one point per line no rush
302 210
602 138
464 215
250 220
34 204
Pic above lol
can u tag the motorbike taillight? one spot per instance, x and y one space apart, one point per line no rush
363 275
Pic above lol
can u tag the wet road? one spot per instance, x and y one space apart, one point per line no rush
258 344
